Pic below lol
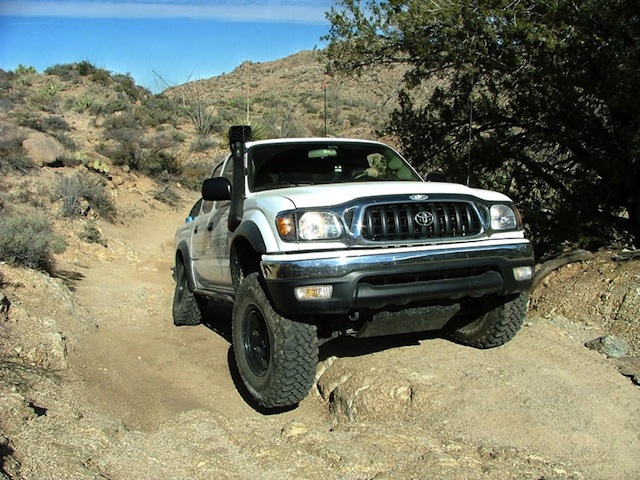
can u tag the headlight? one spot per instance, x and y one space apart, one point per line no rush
309 226
504 217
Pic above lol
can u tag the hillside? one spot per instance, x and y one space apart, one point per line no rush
97 383
287 97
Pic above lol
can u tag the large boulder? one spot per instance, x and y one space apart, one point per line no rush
43 149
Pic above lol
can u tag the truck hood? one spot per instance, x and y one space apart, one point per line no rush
335 194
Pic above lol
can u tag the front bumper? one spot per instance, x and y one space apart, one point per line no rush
395 277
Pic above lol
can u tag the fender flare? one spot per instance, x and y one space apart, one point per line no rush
183 251
251 232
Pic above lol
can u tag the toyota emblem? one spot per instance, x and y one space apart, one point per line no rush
424 219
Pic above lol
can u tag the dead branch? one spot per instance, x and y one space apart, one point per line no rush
551 265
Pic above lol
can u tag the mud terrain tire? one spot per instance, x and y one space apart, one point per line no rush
187 308
492 322
276 357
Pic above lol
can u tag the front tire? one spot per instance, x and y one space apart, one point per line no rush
276 357
187 307
491 322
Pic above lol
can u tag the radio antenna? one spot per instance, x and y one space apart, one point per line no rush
469 143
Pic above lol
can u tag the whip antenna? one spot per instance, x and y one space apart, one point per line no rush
469 143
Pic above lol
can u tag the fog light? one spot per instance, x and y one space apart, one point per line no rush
313 292
523 273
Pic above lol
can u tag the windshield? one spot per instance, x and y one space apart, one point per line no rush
311 163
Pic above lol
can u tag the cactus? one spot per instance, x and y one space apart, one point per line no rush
98 165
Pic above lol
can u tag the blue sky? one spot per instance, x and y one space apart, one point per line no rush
178 39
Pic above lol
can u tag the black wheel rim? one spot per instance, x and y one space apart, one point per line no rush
181 283
256 343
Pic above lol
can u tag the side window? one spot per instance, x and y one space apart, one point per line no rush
228 170
217 170
223 169
195 210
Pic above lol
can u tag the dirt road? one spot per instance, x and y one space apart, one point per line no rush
144 399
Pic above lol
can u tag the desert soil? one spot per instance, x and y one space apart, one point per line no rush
97 383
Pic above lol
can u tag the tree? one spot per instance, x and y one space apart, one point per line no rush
540 99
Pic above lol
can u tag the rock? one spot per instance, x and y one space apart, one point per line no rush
43 149
629 367
609 345
5 304
10 465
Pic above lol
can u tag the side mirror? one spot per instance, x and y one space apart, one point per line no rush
218 188
437 176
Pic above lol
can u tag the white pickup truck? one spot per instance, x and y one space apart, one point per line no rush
312 238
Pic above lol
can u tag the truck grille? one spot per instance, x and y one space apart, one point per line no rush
420 221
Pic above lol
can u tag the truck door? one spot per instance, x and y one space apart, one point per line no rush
210 240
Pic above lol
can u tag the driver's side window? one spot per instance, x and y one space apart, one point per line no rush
207 205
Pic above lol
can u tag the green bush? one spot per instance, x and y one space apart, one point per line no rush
24 70
47 97
158 110
156 163
66 72
28 241
81 190
85 68
116 105
126 84
86 102
101 77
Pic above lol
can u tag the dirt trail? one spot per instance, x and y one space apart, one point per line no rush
157 401
138 365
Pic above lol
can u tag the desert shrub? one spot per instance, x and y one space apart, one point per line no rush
157 162
4 204
53 123
50 89
158 110
192 174
84 103
355 119
85 68
50 123
127 149
119 121
115 105
22 70
101 77
312 108
13 155
47 97
6 78
28 241
227 117
127 85
65 140
92 234
202 144
29 120
6 105
166 195
66 72
81 190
